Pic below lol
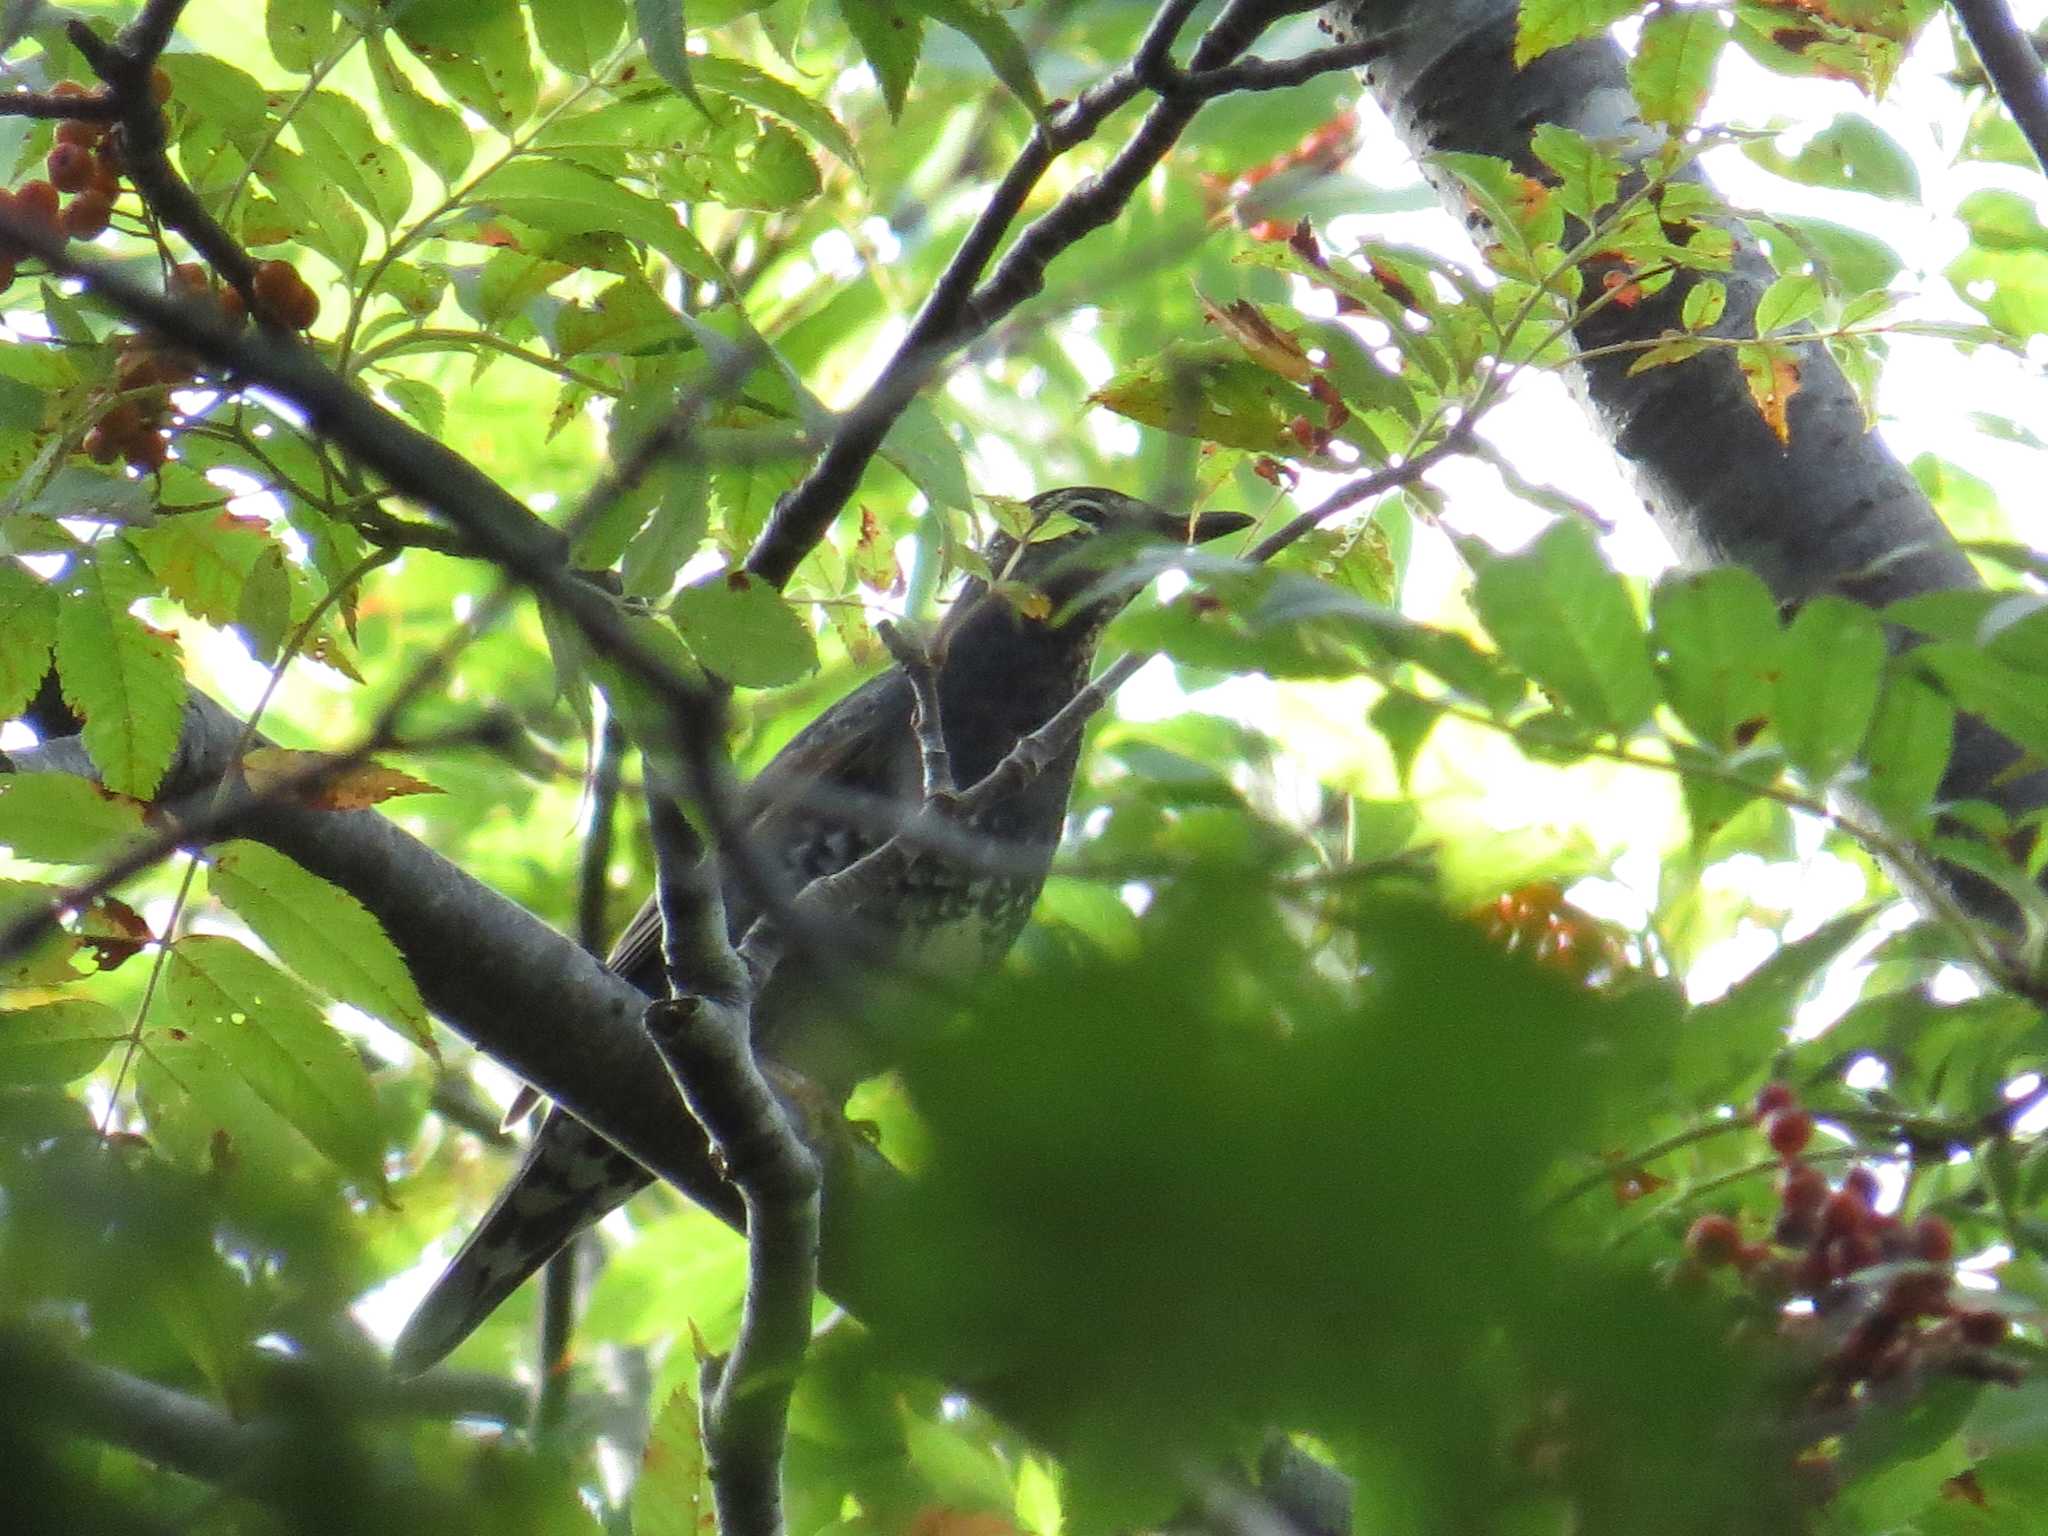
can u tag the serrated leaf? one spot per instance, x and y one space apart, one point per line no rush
673 1494
1718 632
57 1042
1589 178
267 1029
890 35
321 932
1831 669
1211 390
2013 701
203 561
1851 154
1705 302
1546 24
58 818
674 531
28 630
124 679
741 628
919 445
1563 617
1673 67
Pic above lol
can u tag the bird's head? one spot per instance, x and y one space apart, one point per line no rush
1079 534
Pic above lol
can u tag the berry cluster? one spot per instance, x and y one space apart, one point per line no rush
1885 1306
75 198
134 426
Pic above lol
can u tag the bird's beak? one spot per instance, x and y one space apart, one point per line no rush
1203 527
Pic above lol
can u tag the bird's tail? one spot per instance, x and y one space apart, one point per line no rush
571 1178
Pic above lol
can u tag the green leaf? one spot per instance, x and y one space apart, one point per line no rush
2013 701
1851 154
672 1496
998 44
763 91
1546 24
1564 618
919 445
433 131
1831 670
578 35
565 199
674 531
123 678
202 561
1788 301
1704 303
58 818
660 25
267 1029
744 630
57 1042
1731 1039
1589 177
1211 390
479 53
300 32
1673 67
323 933
1907 749
313 206
28 629
1718 632
890 34
340 142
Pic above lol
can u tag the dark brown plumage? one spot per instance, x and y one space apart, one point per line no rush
1001 675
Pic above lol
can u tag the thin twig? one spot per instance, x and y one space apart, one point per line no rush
957 311
933 755
704 1033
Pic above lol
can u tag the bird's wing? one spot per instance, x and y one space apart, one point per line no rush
854 750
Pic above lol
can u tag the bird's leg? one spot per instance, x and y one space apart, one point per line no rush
936 760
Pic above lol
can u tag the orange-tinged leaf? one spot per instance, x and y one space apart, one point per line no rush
1263 341
1772 374
349 787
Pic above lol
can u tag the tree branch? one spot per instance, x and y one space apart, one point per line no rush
2013 66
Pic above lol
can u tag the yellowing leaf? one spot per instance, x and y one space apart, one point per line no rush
1263 341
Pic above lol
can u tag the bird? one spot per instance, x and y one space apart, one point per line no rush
1006 658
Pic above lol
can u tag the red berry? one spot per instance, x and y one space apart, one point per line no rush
1919 1293
67 89
148 451
86 215
302 309
1843 1214
1933 1240
1803 1189
159 86
1788 1131
36 203
1982 1329
231 305
187 280
80 132
1861 1182
1813 1274
100 447
70 167
1773 1097
1713 1240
